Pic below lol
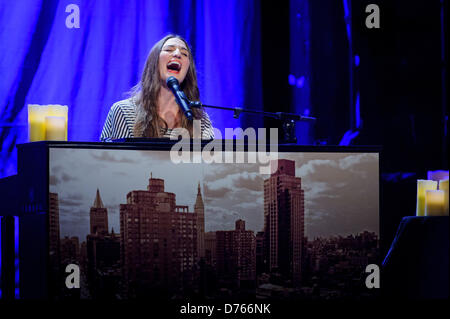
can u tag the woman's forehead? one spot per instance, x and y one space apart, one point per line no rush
176 43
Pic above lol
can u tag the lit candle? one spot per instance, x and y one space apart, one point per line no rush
443 186
59 110
36 122
434 203
422 186
55 128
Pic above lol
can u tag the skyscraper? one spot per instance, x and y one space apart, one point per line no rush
260 266
53 224
70 250
210 248
54 247
199 210
102 253
159 239
98 216
236 255
284 221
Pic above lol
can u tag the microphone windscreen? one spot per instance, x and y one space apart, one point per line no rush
171 81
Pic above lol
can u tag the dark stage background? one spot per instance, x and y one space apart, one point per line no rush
399 77
383 86
399 72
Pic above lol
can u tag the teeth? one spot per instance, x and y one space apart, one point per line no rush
174 63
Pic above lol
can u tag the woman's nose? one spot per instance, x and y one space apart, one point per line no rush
176 52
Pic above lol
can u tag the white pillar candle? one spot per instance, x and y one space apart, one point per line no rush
37 115
36 122
443 186
55 128
59 110
434 203
422 186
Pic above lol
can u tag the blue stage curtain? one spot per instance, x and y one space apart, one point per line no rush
89 68
300 67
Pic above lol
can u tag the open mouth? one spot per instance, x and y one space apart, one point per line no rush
174 66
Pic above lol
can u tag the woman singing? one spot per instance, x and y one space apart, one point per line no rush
152 110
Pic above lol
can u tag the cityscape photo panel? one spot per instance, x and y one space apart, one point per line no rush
138 225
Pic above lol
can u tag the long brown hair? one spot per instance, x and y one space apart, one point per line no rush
145 94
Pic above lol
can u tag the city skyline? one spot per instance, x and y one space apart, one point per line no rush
341 189
146 259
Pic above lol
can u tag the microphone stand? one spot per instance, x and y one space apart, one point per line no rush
288 119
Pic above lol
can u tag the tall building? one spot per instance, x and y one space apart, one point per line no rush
260 266
53 231
284 221
98 216
54 245
83 256
210 248
103 250
236 255
70 250
102 253
159 239
199 210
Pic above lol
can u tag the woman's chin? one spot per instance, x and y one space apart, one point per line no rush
177 76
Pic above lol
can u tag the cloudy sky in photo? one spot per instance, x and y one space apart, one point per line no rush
341 189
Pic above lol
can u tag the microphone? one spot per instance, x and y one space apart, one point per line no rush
181 99
195 104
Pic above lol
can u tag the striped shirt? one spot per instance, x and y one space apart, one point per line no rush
121 118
